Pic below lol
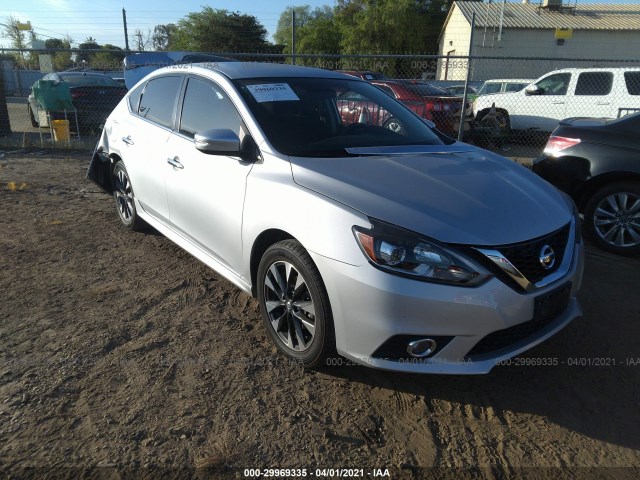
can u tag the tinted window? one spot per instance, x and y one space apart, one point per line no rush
556 84
158 98
515 87
134 97
594 83
632 79
207 106
89 80
490 88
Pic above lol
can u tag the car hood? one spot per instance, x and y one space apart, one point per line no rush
455 194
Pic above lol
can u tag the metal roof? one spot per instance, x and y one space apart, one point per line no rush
597 16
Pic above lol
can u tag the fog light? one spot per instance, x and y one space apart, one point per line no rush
421 348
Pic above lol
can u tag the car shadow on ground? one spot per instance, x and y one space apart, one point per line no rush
593 389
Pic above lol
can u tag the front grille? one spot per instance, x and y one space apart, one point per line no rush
525 256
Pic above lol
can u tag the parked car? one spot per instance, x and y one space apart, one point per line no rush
93 96
570 92
404 251
430 102
597 162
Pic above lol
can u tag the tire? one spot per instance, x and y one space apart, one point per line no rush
32 117
295 305
124 199
395 126
612 218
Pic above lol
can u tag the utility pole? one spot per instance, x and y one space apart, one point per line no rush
126 36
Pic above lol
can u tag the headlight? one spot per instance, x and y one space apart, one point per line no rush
396 250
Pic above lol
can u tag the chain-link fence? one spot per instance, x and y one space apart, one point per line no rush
510 103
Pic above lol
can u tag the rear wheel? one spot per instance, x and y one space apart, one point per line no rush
612 218
295 305
124 199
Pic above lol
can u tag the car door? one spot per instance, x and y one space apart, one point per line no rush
144 136
593 96
206 191
544 110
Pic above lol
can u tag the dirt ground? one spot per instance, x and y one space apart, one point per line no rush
123 356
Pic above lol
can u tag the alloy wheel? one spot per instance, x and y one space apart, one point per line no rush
290 306
124 195
616 219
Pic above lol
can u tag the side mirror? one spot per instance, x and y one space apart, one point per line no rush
221 141
429 123
533 90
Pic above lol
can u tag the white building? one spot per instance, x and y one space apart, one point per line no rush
564 34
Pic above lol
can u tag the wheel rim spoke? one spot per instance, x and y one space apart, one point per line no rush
289 306
306 323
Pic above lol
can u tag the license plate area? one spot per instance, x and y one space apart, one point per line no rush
547 307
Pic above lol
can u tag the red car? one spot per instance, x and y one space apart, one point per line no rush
430 102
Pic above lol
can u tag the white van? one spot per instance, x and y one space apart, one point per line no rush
570 92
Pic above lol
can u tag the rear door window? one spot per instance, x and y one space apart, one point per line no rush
632 80
594 83
158 99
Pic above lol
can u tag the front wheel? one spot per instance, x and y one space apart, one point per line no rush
612 218
295 305
123 196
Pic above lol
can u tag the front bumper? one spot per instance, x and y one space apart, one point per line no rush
371 308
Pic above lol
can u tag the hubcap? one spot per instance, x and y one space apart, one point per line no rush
124 195
290 306
617 219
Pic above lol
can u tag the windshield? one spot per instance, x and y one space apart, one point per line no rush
324 117
89 80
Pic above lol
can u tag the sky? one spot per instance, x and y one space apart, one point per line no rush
102 19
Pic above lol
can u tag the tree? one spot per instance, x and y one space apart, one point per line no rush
141 40
109 57
89 44
316 31
214 30
18 38
61 59
390 26
162 37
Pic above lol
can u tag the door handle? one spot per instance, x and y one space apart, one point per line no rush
602 103
558 103
175 162
127 140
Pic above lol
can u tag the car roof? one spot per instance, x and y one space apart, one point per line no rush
238 70
511 80
81 74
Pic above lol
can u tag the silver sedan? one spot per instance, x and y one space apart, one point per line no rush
395 247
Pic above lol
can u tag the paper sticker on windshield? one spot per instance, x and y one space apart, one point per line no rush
272 92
